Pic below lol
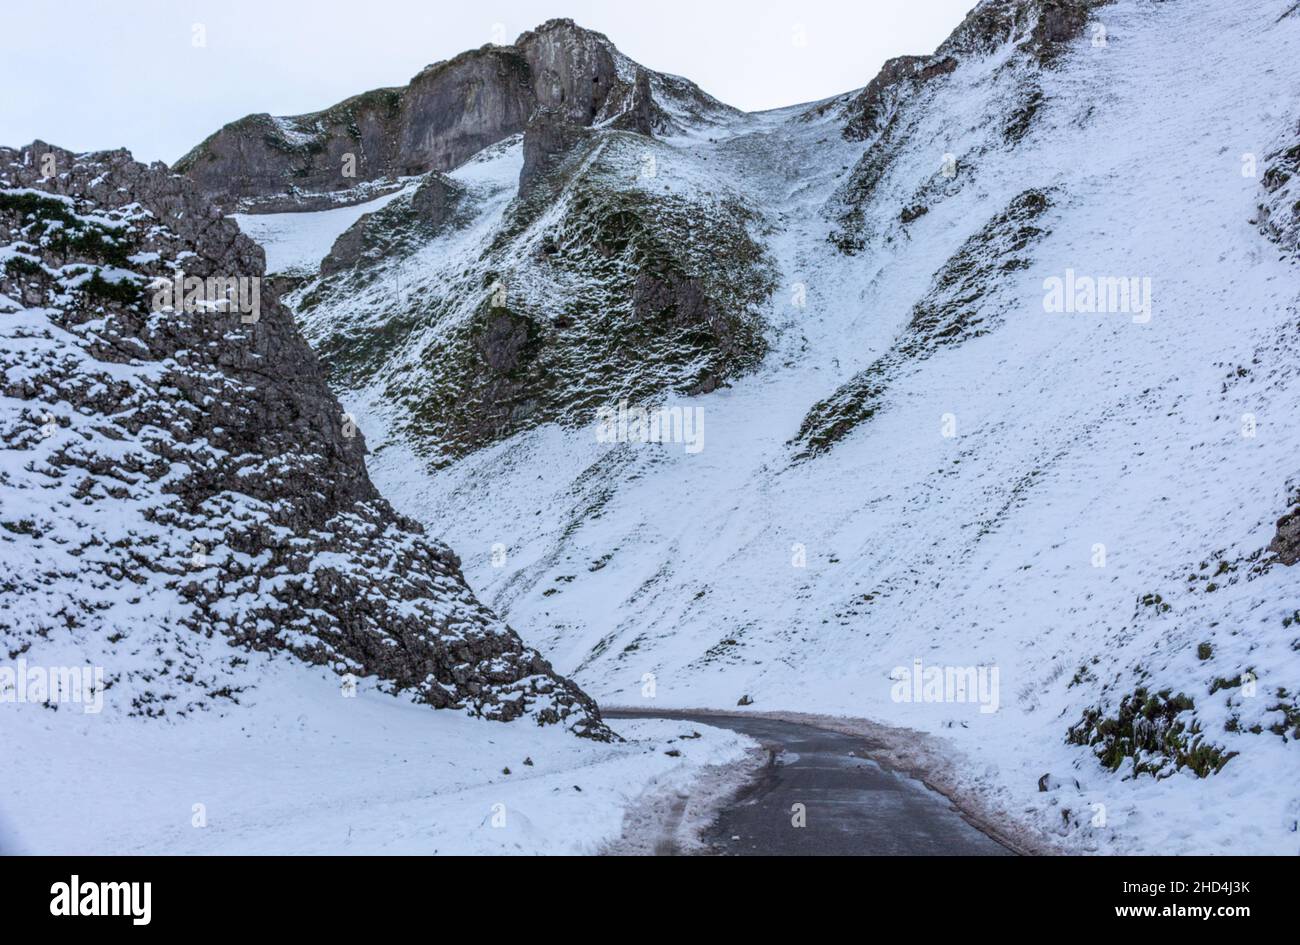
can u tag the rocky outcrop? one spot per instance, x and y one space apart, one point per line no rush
178 471
447 113
1041 28
1286 542
598 284
433 206
888 110
1279 221
573 71
1279 208
949 314
867 112
630 295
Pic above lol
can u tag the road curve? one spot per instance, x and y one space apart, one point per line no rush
851 805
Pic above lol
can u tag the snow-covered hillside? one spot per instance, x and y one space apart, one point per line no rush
912 449
218 637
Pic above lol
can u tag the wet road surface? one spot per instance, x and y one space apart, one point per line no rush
851 806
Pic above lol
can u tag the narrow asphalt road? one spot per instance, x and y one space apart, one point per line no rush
851 806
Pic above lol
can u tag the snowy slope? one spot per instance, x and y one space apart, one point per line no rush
1080 500
296 242
300 770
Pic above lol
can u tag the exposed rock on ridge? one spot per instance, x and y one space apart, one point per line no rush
448 112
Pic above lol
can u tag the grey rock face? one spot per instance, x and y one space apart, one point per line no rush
188 474
642 114
550 137
454 109
447 113
572 70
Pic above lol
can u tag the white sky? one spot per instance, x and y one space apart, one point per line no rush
92 74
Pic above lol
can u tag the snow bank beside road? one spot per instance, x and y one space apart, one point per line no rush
305 770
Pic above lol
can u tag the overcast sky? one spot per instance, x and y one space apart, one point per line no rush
87 75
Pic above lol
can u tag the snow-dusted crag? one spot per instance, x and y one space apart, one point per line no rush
447 113
1280 209
936 433
173 477
554 273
